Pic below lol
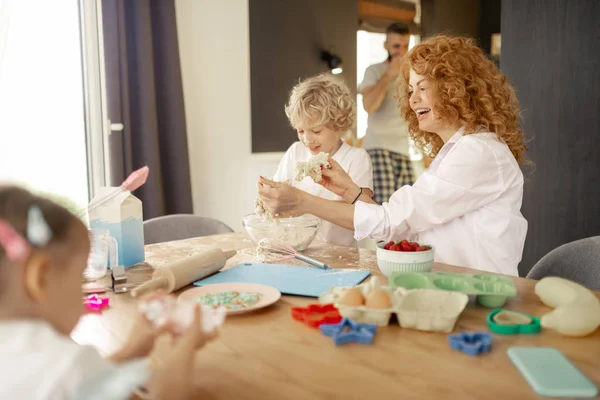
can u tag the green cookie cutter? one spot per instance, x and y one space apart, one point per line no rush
533 327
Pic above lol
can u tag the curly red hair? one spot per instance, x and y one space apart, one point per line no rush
469 89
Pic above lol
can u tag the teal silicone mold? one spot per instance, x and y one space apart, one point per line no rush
491 290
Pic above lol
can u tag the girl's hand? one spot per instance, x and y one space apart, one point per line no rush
280 198
141 338
172 375
336 180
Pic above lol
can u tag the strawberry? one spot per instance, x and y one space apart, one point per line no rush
395 248
414 246
423 248
404 242
406 246
388 245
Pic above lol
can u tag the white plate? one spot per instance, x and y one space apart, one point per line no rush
269 295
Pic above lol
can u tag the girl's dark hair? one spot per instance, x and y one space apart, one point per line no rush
14 207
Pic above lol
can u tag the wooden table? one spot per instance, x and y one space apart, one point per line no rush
267 355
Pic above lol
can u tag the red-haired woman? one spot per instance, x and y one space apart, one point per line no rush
463 112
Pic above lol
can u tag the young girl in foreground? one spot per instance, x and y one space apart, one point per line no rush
461 110
43 252
321 109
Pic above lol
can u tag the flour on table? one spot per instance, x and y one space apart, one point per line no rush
312 167
265 256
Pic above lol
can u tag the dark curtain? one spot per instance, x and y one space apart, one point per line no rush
550 54
145 94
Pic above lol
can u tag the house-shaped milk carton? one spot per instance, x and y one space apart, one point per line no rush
123 217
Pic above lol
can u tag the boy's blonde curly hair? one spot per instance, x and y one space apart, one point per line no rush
322 100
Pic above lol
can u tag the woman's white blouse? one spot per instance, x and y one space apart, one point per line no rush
467 205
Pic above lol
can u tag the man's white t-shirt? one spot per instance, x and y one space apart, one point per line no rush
386 129
355 161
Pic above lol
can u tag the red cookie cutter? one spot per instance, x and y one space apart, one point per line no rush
314 315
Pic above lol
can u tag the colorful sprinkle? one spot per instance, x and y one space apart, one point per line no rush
230 299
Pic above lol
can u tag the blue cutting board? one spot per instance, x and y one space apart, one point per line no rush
288 279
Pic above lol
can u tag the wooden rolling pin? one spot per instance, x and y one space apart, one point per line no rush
183 272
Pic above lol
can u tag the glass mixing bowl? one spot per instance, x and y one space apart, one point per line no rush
298 232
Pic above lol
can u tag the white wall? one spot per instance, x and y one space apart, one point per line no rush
215 64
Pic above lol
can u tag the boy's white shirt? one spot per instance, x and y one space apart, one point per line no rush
355 161
467 205
37 362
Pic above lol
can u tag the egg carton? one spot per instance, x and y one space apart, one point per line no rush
421 309
363 314
430 309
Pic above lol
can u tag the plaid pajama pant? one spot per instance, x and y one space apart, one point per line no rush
391 171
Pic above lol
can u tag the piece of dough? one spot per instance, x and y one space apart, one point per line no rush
576 309
260 210
312 167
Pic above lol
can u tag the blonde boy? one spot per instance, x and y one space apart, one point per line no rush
321 109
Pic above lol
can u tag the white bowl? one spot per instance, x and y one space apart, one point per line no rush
404 261
430 310
298 232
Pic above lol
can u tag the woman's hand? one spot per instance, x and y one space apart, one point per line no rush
279 197
336 180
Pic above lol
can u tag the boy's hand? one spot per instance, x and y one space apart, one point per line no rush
280 198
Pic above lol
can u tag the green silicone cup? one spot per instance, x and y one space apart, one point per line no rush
491 301
451 284
410 280
533 327
491 290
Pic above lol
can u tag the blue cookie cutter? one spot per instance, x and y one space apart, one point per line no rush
471 343
347 331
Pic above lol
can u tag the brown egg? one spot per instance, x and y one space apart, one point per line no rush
378 299
352 297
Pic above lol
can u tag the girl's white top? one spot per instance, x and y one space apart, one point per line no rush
467 205
355 161
39 363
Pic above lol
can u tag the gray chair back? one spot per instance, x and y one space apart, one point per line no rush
181 226
578 261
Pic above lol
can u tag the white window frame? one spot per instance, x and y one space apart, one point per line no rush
97 125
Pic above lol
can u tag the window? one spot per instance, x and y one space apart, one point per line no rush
44 98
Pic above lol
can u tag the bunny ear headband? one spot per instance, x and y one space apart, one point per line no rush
18 248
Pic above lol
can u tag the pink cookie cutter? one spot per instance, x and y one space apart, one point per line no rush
95 303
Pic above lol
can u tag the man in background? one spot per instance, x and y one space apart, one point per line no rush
386 139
